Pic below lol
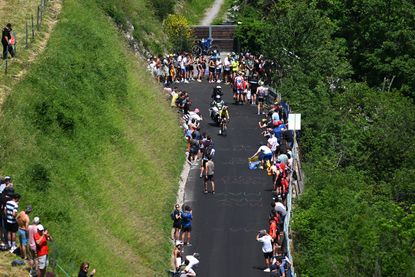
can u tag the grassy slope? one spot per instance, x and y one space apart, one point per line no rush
18 13
94 149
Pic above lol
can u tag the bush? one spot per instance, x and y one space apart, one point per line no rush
163 8
177 29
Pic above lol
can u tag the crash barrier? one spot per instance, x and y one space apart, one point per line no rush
33 23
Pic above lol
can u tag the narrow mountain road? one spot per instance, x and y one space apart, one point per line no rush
212 12
225 224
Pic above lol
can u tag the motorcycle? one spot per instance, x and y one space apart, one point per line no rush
214 112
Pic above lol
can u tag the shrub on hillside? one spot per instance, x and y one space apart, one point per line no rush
177 29
163 8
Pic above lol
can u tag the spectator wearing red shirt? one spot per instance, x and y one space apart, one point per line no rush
41 238
274 234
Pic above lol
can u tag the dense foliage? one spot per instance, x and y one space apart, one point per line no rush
348 68
178 30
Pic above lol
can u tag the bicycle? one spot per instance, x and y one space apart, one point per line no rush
223 127
204 46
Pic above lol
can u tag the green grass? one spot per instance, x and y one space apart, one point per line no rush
18 13
91 143
194 10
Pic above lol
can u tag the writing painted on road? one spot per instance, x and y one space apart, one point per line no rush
239 199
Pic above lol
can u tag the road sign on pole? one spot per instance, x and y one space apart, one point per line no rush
294 121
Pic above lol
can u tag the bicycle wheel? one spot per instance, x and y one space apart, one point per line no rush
224 129
196 50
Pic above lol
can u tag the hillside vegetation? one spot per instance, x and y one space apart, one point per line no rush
347 67
91 143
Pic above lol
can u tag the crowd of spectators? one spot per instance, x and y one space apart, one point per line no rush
214 68
247 75
276 160
32 235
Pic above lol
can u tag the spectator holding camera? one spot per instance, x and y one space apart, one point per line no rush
83 271
267 250
41 239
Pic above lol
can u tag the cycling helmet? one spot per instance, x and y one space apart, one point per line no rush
217 97
218 87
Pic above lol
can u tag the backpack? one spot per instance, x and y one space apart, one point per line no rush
209 151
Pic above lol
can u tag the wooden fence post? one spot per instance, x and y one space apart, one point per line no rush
37 17
27 34
33 28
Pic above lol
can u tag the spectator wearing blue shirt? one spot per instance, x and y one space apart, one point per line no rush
278 130
186 216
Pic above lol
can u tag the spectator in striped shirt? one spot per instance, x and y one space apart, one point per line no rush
11 225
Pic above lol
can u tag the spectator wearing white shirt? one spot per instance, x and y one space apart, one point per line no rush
266 241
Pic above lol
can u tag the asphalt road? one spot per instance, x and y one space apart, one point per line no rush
225 224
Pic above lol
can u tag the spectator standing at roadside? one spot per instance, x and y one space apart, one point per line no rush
23 221
7 41
6 185
31 251
266 241
41 239
187 217
209 172
83 271
177 222
11 225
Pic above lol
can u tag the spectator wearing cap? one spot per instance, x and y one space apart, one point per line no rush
11 225
177 255
266 241
7 185
23 221
31 251
83 271
41 239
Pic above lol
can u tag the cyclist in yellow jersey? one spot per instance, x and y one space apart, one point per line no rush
223 118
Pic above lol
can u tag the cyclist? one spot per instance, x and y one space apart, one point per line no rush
223 117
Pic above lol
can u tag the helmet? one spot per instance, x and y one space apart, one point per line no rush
219 87
217 97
